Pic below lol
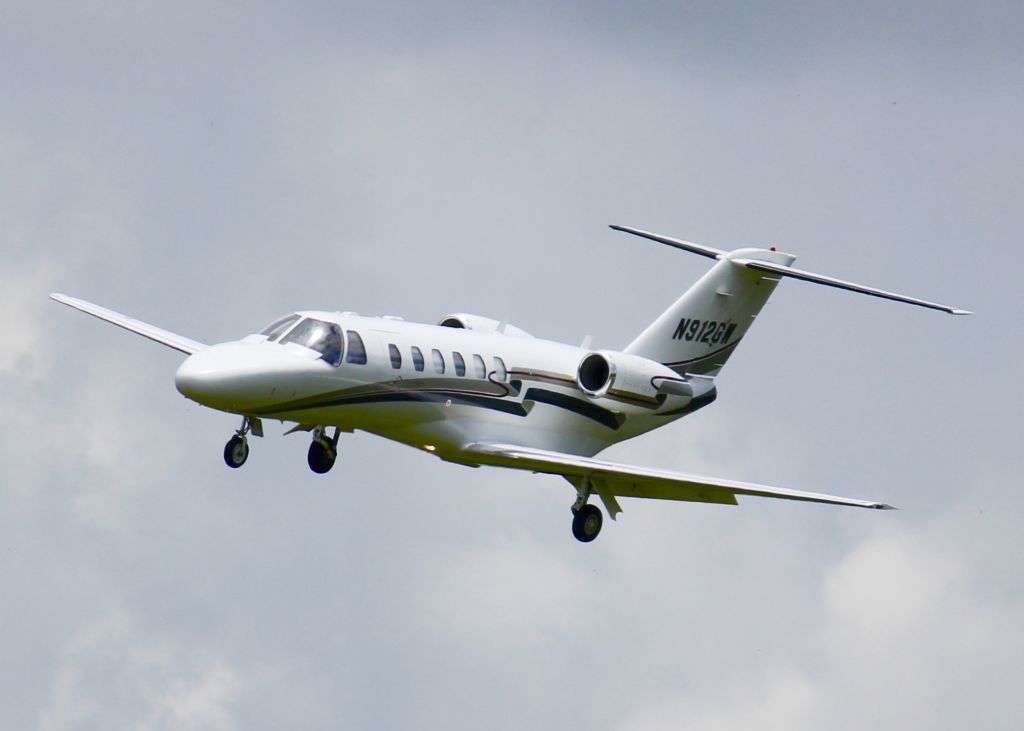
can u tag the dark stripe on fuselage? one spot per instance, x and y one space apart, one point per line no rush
439 397
408 387
577 406
433 396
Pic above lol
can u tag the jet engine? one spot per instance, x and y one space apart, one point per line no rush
621 375
478 323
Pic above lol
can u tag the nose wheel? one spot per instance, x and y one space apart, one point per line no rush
323 451
236 451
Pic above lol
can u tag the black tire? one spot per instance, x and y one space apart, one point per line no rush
586 523
236 451
321 457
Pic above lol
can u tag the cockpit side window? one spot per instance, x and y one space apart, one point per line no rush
356 349
323 337
274 329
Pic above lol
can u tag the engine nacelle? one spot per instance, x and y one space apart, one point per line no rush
478 323
621 375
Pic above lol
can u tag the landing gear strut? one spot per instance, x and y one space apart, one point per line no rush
586 519
323 450
236 451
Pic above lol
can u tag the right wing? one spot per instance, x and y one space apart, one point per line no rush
611 479
159 335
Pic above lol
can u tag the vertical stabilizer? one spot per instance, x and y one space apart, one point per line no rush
700 331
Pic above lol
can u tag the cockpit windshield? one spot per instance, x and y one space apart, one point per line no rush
274 329
323 337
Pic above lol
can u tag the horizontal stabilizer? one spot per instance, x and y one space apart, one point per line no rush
783 270
786 271
693 248
159 335
642 482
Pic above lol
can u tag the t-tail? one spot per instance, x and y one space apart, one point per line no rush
698 333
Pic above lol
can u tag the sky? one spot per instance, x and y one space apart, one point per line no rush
208 167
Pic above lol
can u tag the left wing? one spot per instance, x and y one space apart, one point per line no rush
154 333
611 479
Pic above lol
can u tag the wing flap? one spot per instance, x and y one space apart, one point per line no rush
154 333
643 482
655 489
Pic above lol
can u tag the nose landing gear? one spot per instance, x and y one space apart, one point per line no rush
236 451
323 450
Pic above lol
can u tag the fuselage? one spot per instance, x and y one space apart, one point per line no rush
433 387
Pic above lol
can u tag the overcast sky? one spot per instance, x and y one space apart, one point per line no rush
207 168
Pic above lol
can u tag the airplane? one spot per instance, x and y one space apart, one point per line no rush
475 391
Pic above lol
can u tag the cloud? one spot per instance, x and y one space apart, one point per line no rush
116 673
784 702
916 624
21 316
207 170
496 597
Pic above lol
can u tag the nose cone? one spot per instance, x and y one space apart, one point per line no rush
222 376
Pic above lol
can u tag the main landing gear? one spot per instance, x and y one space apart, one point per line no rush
236 451
323 450
586 519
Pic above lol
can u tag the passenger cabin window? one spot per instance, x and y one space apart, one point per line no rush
500 372
417 358
438 360
273 330
396 356
323 337
460 364
479 368
356 349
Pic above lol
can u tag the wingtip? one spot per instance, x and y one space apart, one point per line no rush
960 312
884 506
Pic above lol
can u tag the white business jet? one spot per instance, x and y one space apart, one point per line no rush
476 391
